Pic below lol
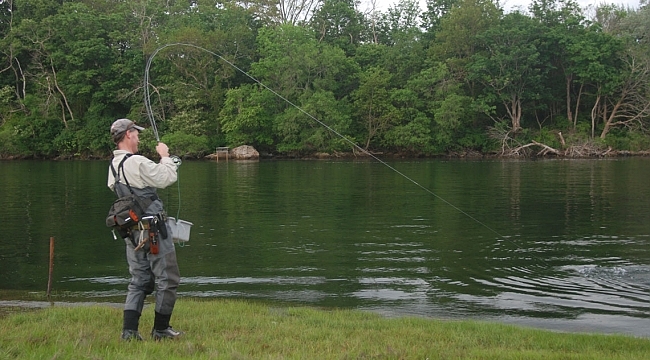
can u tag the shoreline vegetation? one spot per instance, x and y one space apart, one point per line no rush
531 150
240 329
439 78
343 156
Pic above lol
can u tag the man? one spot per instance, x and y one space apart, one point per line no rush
151 257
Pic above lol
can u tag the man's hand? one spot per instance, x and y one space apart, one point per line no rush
162 149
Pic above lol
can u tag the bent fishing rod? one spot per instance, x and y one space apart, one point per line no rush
329 128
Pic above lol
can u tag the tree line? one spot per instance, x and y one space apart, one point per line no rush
457 76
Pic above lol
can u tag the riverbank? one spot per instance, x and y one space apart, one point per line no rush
344 156
522 153
231 329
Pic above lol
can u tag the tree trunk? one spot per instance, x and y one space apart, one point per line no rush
594 115
575 113
514 111
64 102
610 119
569 115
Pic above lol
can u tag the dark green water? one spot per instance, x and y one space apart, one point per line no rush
555 244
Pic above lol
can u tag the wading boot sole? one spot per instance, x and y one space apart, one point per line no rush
168 333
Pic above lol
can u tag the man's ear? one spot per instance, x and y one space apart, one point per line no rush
128 133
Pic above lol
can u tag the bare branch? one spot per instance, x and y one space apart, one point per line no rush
296 11
65 99
631 104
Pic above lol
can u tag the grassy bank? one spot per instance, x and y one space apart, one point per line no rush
226 329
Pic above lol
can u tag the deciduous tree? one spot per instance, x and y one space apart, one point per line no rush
372 104
510 69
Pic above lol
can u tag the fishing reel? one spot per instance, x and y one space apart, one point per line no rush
177 160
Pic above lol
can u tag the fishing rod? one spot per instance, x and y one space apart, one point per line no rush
352 143
147 103
147 98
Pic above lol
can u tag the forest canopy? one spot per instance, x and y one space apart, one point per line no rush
456 76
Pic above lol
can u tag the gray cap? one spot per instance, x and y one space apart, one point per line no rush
120 126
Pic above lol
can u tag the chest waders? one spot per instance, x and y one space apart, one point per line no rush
153 268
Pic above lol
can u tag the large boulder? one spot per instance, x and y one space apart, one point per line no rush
244 152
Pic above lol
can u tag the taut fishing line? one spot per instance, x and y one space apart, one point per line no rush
354 145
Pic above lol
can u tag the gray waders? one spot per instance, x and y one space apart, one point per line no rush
150 271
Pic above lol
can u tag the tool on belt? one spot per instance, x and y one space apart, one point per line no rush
148 230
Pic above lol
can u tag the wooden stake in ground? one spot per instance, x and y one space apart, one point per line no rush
49 279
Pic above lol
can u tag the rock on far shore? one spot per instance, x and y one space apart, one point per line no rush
244 152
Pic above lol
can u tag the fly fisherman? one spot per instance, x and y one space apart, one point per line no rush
150 250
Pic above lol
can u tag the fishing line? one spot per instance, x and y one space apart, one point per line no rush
147 103
354 145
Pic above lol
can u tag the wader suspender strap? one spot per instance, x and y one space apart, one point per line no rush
116 175
120 167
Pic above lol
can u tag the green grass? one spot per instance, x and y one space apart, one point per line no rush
226 329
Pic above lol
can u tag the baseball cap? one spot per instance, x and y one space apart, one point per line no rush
120 126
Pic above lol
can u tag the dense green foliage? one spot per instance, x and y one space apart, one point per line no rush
460 75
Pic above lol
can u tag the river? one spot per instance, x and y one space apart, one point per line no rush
554 244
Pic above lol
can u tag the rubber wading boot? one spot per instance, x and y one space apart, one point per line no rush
168 333
128 335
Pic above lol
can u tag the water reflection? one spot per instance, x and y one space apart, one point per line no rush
558 244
